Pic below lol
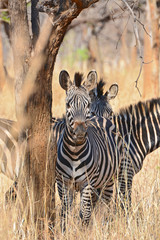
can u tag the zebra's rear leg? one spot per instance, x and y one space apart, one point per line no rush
88 201
124 190
107 194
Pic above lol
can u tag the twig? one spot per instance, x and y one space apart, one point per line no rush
136 82
139 74
137 42
122 32
143 27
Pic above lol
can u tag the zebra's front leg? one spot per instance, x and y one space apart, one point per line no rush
88 200
66 196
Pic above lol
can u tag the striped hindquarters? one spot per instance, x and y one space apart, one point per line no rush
11 150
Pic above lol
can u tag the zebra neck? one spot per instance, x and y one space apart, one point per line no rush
148 125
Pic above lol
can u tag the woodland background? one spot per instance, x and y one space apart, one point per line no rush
102 38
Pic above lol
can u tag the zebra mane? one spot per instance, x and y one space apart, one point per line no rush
100 88
78 78
148 106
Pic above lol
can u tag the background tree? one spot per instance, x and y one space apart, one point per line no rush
35 51
152 52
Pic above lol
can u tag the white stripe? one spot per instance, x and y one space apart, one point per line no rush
8 168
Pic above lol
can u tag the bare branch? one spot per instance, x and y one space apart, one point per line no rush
137 41
35 20
122 32
93 21
139 74
143 27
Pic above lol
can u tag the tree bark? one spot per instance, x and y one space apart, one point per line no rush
2 73
21 46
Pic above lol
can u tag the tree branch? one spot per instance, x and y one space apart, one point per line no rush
137 41
35 20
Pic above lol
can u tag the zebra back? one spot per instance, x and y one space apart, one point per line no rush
139 126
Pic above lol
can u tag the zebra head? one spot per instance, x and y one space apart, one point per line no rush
77 102
100 105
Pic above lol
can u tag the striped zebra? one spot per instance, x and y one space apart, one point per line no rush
10 148
11 152
139 126
89 150
100 105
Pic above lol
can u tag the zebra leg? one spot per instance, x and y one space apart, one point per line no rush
124 185
88 200
106 194
66 196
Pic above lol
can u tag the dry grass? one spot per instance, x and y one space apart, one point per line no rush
144 223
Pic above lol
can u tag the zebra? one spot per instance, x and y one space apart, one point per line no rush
10 148
11 152
100 105
139 125
89 150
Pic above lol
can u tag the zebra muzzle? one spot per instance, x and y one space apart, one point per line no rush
80 131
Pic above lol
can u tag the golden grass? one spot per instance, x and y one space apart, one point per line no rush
144 223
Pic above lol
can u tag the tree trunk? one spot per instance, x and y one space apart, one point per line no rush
21 47
2 74
151 70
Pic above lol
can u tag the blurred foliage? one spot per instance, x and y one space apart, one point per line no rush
82 54
79 55
5 17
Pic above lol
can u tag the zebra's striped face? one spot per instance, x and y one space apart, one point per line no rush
100 105
77 111
77 103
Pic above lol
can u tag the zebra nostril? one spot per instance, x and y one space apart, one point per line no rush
80 129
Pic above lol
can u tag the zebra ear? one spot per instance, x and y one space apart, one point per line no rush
91 81
112 92
64 80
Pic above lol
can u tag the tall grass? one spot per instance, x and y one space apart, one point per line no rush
143 223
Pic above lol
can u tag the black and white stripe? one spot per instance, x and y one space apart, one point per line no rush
11 150
139 127
89 150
